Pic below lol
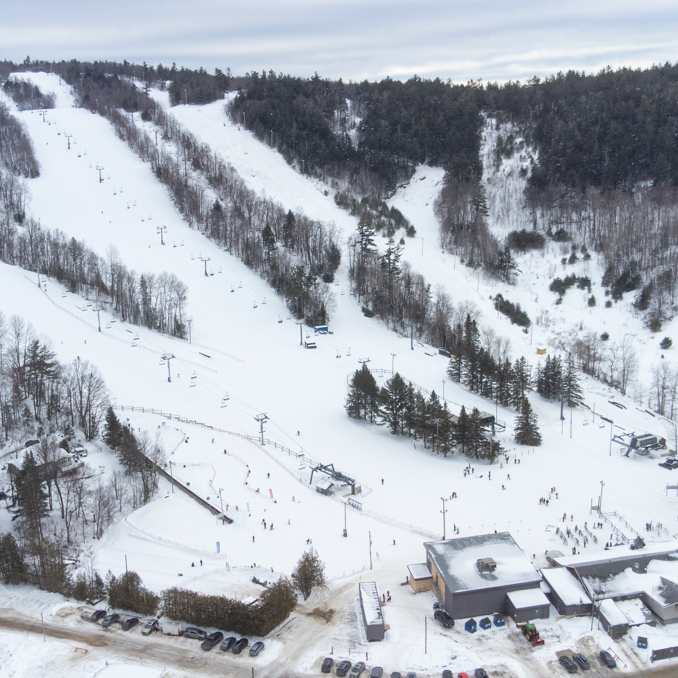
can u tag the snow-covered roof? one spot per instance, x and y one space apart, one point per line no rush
324 484
667 592
456 559
620 553
369 597
635 611
527 598
612 613
566 585
419 571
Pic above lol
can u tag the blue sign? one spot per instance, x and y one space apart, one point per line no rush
218 547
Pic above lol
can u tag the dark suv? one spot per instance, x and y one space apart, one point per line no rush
444 618
240 646
212 640
568 663
607 659
344 667
110 619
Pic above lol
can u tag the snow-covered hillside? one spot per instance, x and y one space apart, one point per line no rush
245 354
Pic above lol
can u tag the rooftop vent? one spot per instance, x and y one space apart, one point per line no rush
486 564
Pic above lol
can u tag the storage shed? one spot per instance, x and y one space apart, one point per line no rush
612 619
419 577
373 618
528 604
567 594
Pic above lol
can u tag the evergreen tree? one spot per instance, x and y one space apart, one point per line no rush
571 388
309 573
445 431
12 567
526 429
506 264
112 430
32 498
476 439
520 382
392 404
362 401
462 434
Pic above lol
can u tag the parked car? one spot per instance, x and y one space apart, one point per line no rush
462 675
344 667
607 659
150 626
256 648
395 674
447 674
411 674
568 663
444 618
130 623
212 640
357 669
377 672
97 615
110 619
481 673
240 645
582 661
228 643
195 633
327 665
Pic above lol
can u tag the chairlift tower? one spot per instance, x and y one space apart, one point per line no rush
262 419
168 357
205 259
161 230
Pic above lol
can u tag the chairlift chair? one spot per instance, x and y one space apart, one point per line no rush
240 285
279 319
255 305
225 400
232 290
263 301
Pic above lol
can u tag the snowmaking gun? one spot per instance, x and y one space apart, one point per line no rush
531 634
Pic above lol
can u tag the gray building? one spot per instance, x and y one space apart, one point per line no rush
566 592
472 576
373 618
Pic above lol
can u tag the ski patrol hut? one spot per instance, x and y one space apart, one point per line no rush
373 619
471 576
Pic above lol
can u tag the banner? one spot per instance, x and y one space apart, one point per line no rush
218 547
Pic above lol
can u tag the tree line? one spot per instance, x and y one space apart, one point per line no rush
27 96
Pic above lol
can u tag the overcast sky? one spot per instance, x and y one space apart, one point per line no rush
352 39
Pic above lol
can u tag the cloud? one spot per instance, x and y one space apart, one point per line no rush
352 39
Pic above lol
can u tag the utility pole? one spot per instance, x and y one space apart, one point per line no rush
98 310
161 230
271 138
68 137
205 259
444 511
168 357
300 323
244 119
600 500
370 535
186 97
262 419
393 357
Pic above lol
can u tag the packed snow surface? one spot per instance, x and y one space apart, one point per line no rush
244 358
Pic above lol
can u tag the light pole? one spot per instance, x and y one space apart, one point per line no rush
444 511
393 357
221 489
